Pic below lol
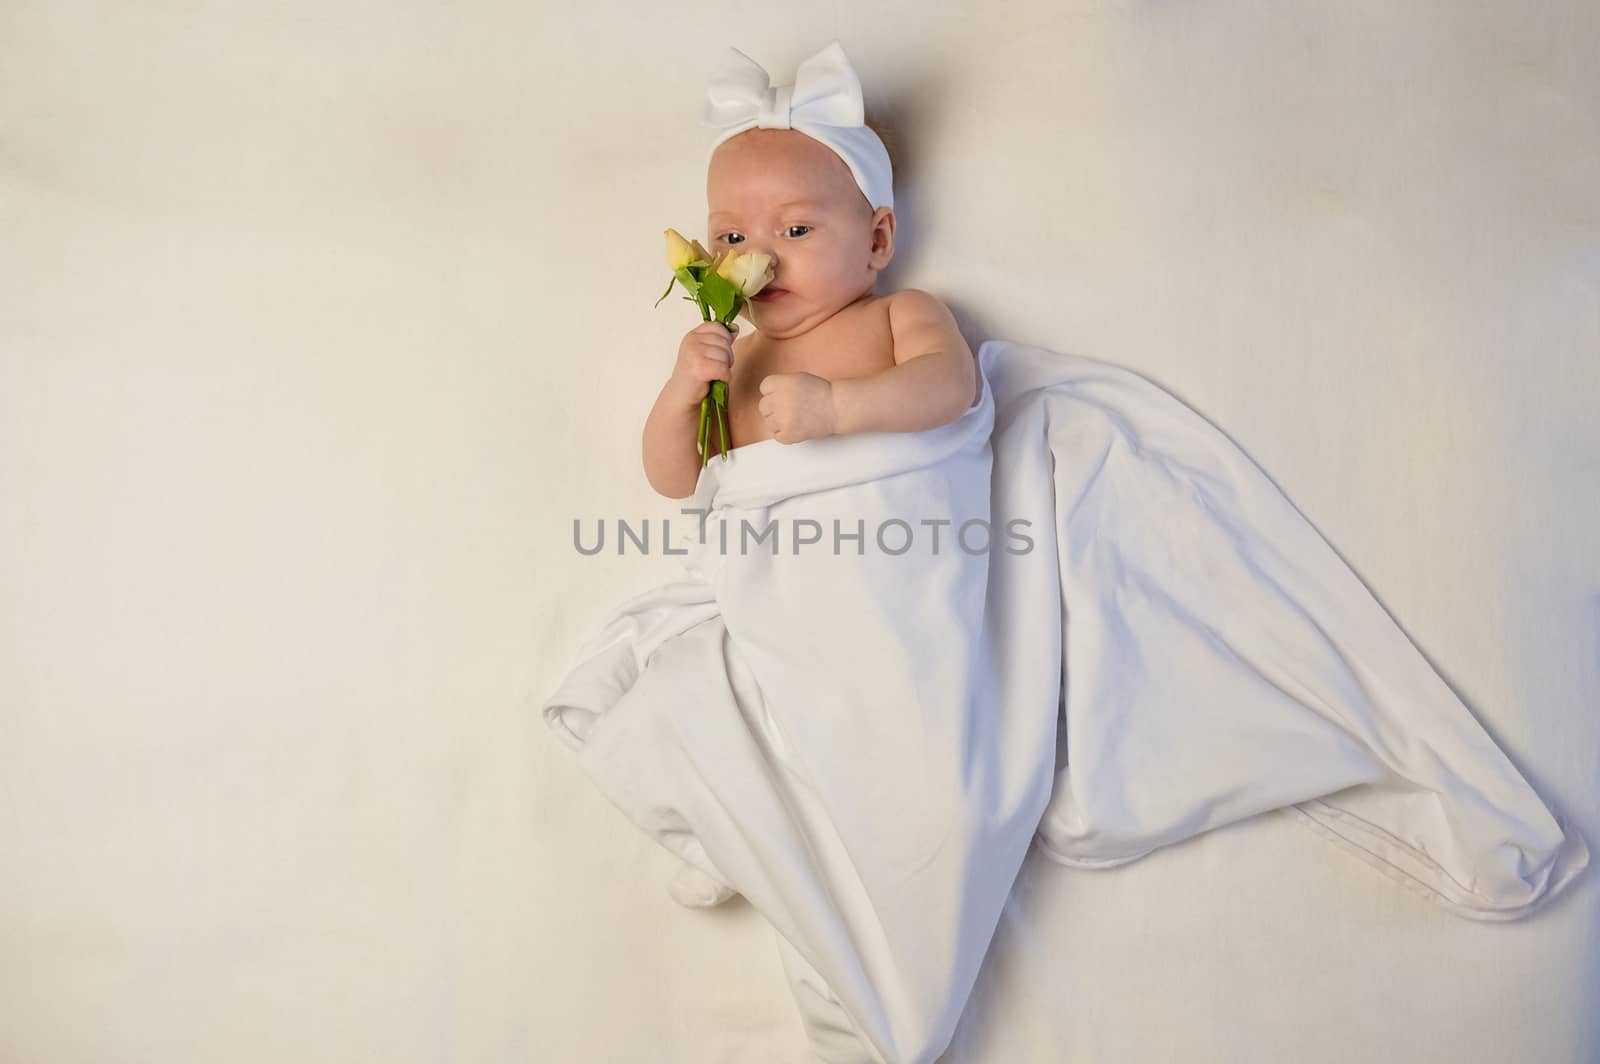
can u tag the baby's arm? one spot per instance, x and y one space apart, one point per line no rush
933 381
671 462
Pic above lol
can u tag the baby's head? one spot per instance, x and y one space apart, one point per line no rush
782 193
800 174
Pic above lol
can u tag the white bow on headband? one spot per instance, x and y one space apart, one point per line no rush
824 103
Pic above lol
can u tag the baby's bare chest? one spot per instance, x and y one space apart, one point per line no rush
857 343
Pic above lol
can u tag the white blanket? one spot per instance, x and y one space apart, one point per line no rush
1138 639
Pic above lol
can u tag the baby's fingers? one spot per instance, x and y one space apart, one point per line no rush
716 366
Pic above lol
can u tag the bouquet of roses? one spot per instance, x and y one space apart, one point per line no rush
719 285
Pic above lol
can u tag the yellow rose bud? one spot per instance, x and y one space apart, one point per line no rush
681 252
751 272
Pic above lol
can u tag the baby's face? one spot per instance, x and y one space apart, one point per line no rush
779 192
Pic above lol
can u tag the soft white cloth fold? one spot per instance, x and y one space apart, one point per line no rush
1149 641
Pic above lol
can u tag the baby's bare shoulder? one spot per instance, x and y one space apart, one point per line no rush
920 321
910 303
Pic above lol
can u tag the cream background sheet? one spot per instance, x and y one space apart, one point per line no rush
319 325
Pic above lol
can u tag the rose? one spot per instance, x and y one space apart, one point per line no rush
681 253
750 272
719 285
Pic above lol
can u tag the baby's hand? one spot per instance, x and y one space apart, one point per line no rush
705 355
797 406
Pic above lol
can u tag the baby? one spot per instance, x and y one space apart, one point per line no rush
830 356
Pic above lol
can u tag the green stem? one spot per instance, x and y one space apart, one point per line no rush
700 434
722 429
716 396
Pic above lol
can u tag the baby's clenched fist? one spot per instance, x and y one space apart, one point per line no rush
704 355
797 406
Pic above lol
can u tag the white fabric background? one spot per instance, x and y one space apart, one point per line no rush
321 322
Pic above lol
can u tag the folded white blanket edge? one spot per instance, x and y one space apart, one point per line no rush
1126 637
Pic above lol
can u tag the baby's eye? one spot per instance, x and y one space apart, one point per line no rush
805 227
727 238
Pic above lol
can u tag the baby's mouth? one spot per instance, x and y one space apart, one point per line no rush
766 295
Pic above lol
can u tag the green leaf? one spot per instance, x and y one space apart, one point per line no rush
668 291
690 282
721 294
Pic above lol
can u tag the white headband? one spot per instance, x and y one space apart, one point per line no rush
824 103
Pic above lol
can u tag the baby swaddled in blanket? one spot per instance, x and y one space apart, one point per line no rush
939 608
